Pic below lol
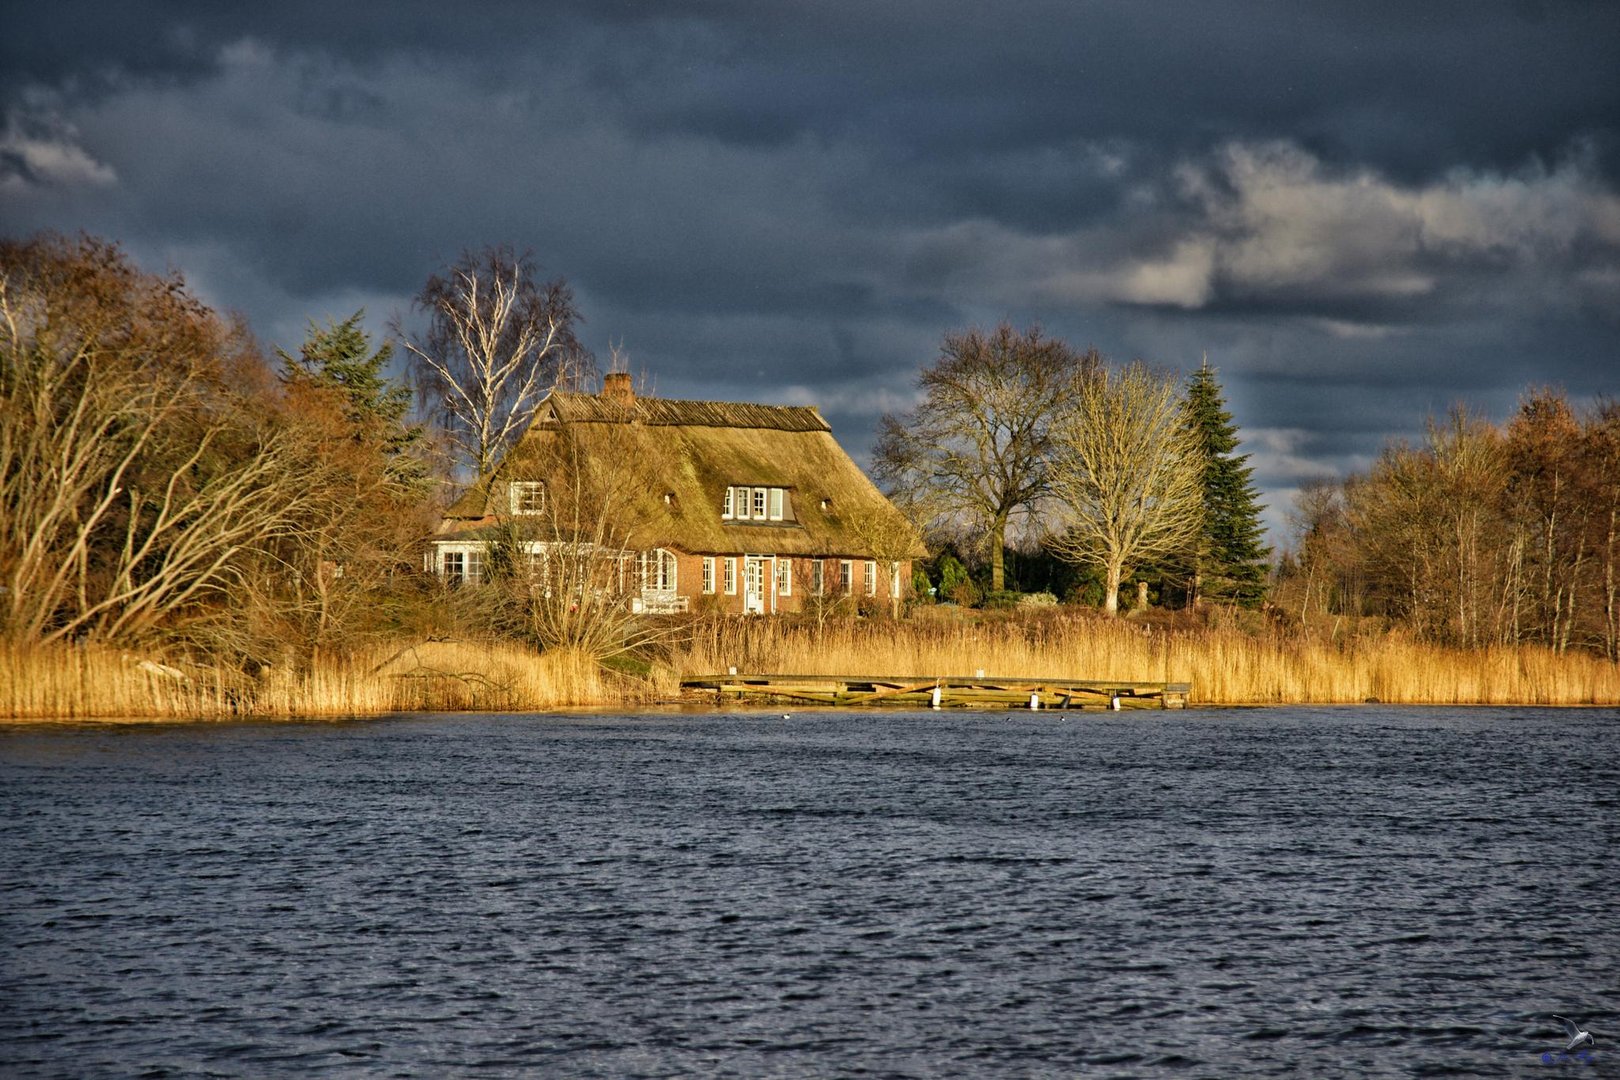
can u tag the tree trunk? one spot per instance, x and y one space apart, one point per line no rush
998 552
1611 594
1111 590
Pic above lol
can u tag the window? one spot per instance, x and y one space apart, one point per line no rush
784 577
740 503
871 578
846 576
657 570
708 573
526 496
731 577
894 580
463 567
817 577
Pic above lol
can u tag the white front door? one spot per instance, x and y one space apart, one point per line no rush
754 584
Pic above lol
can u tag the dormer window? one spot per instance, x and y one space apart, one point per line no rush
740 503
527 497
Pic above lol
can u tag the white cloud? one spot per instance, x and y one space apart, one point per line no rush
1285 221
1263 221
1355 331
1183 279
42 150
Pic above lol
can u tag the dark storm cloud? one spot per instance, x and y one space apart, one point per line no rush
1361 215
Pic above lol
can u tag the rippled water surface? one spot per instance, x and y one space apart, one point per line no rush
1325 892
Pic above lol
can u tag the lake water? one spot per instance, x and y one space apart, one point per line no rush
1327 892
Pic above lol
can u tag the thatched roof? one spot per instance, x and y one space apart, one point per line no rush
684 454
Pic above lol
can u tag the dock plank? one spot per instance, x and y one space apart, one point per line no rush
977 691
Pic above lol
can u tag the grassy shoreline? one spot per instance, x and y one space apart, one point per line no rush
1226 665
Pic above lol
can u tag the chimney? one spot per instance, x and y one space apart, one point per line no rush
616 388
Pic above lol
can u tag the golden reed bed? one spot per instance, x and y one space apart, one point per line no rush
1224 666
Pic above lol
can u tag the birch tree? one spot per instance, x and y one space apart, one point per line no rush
1545 490
1126 476
1603 443
496 341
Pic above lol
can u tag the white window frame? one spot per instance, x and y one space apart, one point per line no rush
657 570
468 559
731 575
869 576
784 576
744 502
818 577
708 574
846 577
526 498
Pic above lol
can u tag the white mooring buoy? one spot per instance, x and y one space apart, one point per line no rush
1035 701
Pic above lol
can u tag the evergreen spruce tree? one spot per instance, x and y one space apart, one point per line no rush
1230 564
338 357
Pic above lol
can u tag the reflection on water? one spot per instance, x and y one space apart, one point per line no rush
1286 892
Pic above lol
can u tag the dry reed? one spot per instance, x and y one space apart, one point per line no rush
86 682
1224 665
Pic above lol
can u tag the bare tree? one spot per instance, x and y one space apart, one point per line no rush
976 449
1428 529
1603 445
497 339
1549 498
1126 476
1327 570
139 475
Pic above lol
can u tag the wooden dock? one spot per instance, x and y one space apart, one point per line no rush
943 692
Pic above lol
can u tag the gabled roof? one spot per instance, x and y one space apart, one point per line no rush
682 455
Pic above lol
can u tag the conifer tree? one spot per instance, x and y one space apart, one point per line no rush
1230 563
338 357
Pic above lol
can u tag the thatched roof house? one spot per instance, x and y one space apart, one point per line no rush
756 506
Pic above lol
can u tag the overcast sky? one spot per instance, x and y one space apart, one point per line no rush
1363 213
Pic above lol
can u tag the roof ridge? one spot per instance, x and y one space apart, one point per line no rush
686 412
